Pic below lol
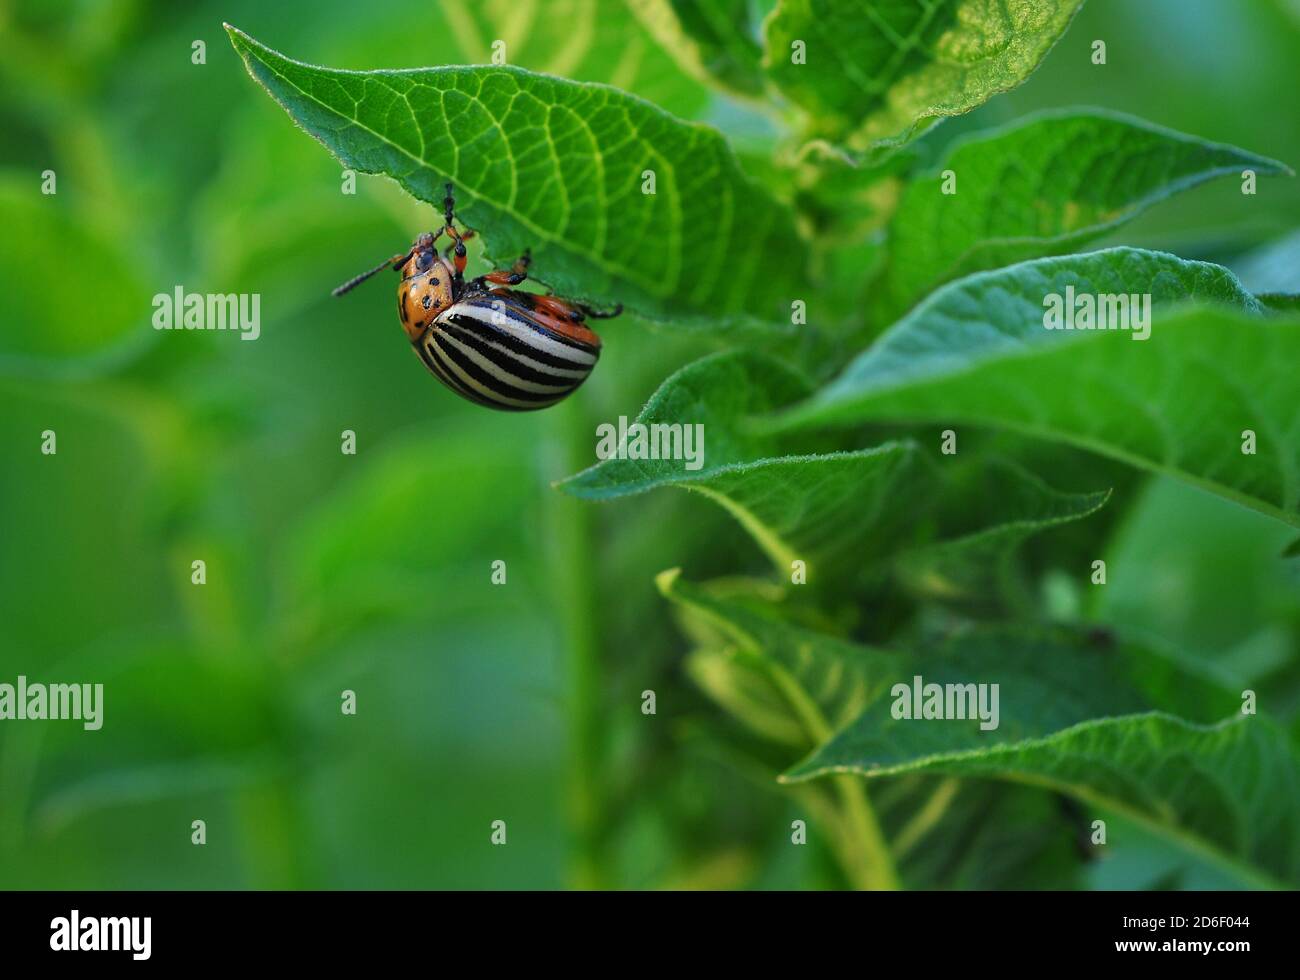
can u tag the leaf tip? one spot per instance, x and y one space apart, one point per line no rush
666 579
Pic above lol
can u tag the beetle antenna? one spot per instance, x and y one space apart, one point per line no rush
397 261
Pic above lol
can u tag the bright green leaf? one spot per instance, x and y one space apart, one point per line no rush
1178 403
873 73
1042 186
561 167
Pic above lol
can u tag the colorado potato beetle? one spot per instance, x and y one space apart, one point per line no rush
492 344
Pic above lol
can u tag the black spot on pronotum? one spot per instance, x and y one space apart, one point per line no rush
428 301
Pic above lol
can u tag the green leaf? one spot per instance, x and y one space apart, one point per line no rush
874 73
1001 506
1227 791
559 166
1178 403
784 683
716 392
1280 302
843 514
816 508
713 41
846 202
1079 713
1042 186
585 40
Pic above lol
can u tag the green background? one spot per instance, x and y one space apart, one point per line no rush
328 572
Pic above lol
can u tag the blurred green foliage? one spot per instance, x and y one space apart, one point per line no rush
371 572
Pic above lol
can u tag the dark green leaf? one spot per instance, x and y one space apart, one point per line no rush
1228 791
998 506
1109 722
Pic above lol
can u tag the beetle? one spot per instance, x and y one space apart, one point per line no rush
485 340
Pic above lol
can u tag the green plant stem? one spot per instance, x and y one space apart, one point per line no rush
870 866
864 852
928 816
573 570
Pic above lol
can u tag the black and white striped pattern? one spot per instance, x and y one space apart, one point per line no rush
494 352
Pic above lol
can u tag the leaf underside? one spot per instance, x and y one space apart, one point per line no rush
563 168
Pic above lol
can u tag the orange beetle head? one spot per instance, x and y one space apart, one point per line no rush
425 289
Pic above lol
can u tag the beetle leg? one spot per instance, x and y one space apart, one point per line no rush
601 314
560 308
516 274
577 312
449 207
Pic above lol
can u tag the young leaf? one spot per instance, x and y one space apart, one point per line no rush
565 168
873 73
1178 403
1042 186
713 41
762 668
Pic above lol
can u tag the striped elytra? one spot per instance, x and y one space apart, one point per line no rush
486 341
498 350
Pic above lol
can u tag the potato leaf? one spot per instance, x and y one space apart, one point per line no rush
1040 187
1227 791
843 514
1112 723
564 168
1180 402
873 73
